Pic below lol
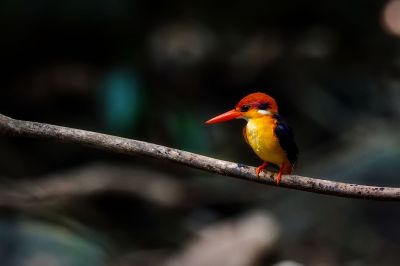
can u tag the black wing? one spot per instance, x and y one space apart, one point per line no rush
286 139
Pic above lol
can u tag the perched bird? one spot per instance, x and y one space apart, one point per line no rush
266 132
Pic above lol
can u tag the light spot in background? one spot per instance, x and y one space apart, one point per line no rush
250 54
391 17
181 44
316 43
120 101
257 51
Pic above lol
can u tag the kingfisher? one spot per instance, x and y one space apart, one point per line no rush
267 133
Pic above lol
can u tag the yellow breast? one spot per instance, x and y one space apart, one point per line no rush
261 138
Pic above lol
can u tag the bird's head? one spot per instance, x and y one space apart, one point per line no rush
254 105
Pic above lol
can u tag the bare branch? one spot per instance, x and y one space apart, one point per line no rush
19 128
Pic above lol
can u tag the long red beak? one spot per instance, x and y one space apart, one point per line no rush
224 117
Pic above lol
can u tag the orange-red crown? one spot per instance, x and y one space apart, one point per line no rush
258 100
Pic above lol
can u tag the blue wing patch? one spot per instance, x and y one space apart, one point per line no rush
286 139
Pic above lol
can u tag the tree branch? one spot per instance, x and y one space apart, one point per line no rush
19 128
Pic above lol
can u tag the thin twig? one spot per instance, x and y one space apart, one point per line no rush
19 128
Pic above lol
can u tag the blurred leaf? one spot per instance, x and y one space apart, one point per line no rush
187 131
121 101
25 241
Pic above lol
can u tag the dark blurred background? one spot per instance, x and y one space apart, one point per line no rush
155 71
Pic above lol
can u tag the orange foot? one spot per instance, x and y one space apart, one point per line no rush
278 177
260 168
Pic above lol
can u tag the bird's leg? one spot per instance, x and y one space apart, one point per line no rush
260 168
278 177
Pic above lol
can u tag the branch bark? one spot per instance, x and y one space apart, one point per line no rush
19 128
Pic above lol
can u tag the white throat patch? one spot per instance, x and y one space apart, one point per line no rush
264 112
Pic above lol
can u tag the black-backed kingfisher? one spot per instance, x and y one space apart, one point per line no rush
266 132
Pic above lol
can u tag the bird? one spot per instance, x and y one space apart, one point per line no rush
267 133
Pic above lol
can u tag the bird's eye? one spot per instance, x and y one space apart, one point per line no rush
244 108
263 106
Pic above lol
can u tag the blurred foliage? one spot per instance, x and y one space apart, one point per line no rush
26 241
121 101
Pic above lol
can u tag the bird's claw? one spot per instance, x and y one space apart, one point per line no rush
260 168
278 178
